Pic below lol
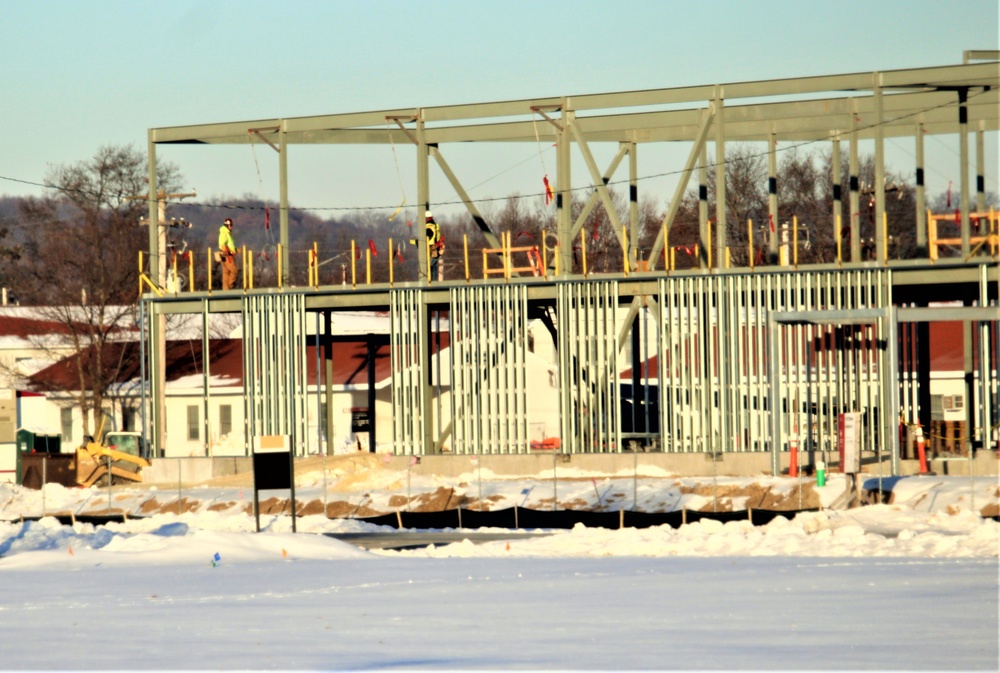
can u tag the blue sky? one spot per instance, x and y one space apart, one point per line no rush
79 75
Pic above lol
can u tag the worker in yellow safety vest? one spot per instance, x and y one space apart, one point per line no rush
227 254
435 242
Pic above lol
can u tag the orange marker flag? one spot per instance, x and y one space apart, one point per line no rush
284 553
549 194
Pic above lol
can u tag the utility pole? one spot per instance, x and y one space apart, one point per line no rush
158 239
158 273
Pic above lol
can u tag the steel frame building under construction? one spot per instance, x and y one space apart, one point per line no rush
718 359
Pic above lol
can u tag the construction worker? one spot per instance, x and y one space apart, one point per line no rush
434 242
227 254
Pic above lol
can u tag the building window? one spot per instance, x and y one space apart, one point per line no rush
225 419
193 422
66 422
128 419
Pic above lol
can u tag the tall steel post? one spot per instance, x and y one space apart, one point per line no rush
633 205
772 197
963 167
854 198
881 240
157 321
704 237
720 179
283 212
564 194
838 201
984 226
423 196
921 193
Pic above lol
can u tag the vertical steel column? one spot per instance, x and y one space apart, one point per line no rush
772 197
921 193
633 205
564 194
984 226
854 198
881 242
423 196
890 384
774 359
704 240
206 366
720 179
283 196
963 167
157 379
328 377
838 202
158 321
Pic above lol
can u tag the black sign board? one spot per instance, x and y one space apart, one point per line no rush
360 422
273 468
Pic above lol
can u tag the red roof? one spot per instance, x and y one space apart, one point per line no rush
29 327
184 358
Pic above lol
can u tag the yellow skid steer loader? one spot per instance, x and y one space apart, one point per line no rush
117 458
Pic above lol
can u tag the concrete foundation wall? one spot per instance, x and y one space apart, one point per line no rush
201 469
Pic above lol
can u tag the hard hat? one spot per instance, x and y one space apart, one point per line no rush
428 214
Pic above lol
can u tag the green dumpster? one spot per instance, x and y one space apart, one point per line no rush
30 442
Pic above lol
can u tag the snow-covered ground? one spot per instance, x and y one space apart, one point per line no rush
907 585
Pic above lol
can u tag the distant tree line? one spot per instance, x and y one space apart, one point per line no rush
83 237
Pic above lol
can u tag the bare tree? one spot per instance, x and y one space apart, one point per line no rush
81 268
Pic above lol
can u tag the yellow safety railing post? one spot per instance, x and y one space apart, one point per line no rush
279 267
750 249
140 273
368 266
390 264
484 264
840 243
465 243
668 257
708 244
176 279
932 250
249 265
885 237
354 265
243 253
545 260
795 241
583 250
728 258
625 263
190 255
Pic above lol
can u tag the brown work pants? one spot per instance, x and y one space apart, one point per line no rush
229 272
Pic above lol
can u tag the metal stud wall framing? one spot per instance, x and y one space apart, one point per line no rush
489 401
590 405
408 391
714 363
274 374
